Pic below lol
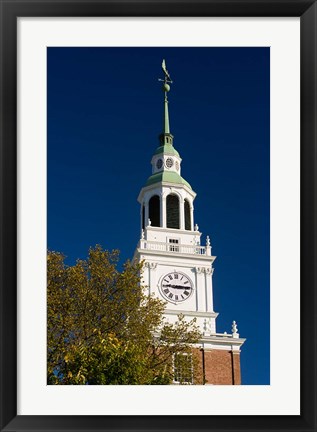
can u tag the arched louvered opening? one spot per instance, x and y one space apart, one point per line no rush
143 216
154 210
172 211
188 222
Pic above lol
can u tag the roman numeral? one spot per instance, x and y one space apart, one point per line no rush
170 295
176 297
186 282
166 290
186 293
175 276
171 277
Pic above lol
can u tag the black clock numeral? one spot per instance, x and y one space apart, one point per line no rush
175 276
186 282
186 293
166 290
176 297
182 278
170 295
170 276
166 280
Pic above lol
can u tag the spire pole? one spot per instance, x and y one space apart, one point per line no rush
166 88
166 123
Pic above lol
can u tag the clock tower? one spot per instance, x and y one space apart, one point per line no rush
178 265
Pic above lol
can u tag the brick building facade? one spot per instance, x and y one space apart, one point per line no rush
222 367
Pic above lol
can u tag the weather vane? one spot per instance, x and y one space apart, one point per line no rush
167 78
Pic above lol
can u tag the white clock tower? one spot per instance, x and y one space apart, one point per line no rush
178 267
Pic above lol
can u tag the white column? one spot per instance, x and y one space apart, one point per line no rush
146 213
152 278
149 277
192 217
201 291
163 210
208 287
146 276
141 213
196 287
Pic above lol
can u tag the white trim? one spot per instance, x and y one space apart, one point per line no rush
161 184
178 231
192 313
176 254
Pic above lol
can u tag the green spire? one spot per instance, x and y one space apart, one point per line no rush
166 125
166 147
166 137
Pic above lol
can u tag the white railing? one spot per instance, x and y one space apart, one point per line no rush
173 247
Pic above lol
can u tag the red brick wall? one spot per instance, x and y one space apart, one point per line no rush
222 367
236 368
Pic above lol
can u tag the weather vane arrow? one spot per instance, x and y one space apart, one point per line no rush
167 77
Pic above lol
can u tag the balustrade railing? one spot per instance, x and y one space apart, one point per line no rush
173 247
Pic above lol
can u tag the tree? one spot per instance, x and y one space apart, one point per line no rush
104 329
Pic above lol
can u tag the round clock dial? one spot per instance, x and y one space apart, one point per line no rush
169 162
176 287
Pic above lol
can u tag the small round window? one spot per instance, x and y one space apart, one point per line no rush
159 164
169 162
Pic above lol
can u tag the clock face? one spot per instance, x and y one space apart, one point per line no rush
176 287
169 162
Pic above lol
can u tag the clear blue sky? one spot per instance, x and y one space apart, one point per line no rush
105 109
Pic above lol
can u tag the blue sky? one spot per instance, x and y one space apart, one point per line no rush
105 108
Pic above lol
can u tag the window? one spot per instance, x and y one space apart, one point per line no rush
173 245
183 368
172 211
154 210
159 164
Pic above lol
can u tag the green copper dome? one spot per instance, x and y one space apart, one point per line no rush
167 176
167 149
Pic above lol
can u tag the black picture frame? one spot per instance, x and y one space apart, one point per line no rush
10 11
